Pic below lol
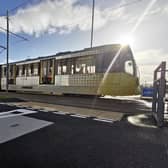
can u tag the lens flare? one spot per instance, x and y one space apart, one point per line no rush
140 20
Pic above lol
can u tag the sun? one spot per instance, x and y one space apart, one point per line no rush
126 40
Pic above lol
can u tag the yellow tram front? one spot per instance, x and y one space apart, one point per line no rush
118 72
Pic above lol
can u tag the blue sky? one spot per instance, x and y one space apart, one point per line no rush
61 25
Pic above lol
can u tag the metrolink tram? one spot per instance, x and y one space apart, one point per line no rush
102 70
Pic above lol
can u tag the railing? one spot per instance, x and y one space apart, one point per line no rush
159 88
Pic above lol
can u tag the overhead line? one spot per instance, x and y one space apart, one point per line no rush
2 51
19 36
15 8
2 47
20 5
128 4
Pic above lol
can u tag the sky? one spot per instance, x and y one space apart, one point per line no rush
53 26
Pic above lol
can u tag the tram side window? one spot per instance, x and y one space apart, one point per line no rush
82 65
50 66
23 70
70 66
62 68
129 67
4 71
39 68
72 69
20 70
59 69
11 71
36 70
32 69
91 69
17 71
11 74
85 65
47 71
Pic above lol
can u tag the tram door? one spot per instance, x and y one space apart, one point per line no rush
47 71
12 74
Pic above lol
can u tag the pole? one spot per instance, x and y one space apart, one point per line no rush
92 28
7 50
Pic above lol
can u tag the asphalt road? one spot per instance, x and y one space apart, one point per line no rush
124 106
84 143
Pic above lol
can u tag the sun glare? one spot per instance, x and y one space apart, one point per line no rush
126 40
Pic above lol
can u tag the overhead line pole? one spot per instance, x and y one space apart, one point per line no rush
93 13
92 28
7 50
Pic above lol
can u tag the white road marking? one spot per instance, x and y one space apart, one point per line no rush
14 127
61 113
79 116
11 113
104 120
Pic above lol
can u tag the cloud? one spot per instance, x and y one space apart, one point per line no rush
147 61
59 16
151 57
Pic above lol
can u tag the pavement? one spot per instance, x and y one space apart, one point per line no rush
85 112
32 137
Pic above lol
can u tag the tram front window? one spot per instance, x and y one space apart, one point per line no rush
129 67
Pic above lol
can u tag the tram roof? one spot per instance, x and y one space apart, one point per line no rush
59 54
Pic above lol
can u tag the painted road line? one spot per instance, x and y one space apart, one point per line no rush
79 116
16 112
7 112
104 120
61 113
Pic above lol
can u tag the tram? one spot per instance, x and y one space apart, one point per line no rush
102 70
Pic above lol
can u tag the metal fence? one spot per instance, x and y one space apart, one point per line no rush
159 93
